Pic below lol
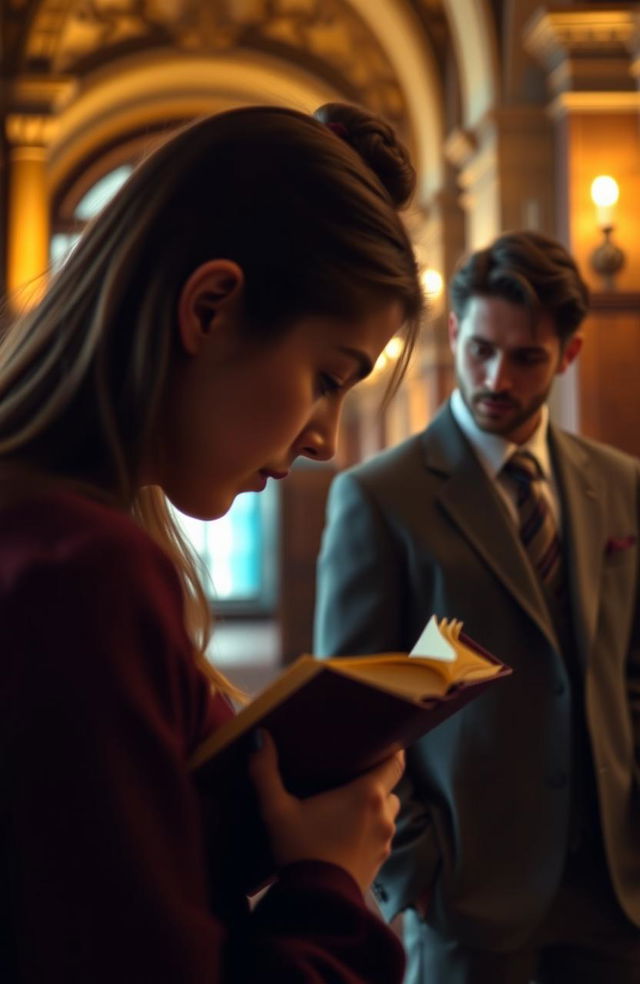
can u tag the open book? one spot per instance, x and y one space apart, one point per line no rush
333 719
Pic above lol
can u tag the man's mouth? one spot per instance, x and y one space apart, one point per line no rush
494 404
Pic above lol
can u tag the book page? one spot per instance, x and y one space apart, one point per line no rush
434 643
470 664
437 662
416 679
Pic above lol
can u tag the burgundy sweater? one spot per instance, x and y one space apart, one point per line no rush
102 842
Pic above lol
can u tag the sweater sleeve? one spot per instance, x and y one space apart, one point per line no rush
312 927
103 846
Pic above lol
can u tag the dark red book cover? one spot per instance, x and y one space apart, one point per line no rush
328 728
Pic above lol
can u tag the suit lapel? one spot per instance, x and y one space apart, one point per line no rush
471 502
583 524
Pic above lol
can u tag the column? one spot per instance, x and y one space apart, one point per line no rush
594 105
33 106
28 210
505 172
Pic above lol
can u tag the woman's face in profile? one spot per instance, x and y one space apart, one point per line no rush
240 413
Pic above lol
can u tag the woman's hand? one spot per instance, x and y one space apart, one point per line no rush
351 826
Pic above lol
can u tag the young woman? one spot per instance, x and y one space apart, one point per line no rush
200 337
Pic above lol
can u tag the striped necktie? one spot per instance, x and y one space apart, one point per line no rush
537 526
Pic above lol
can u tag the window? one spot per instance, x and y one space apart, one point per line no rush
238 551
89 205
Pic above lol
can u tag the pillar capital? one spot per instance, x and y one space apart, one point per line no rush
46 94
584 49
33 106
29 133
460 145
635 49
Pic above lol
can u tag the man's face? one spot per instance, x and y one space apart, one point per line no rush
505 364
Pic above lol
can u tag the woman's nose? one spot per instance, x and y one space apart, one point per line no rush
317 445
318 440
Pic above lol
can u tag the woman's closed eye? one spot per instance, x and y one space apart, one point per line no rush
328 384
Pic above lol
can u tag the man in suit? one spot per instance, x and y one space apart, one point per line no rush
517 855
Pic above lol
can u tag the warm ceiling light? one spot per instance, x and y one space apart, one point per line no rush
432 282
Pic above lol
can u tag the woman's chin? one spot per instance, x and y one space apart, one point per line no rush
203 509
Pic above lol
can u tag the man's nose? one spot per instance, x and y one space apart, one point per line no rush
497 375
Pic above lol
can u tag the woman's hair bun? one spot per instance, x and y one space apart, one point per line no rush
376 142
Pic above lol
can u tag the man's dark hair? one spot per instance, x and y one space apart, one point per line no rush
526 268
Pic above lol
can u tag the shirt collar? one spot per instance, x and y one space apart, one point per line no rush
494 451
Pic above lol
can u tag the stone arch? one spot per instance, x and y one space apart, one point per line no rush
475 44
145 91
94 75
408 50
394 74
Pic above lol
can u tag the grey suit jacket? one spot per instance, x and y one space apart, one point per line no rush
419 530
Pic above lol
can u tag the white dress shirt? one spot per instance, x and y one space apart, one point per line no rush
494 451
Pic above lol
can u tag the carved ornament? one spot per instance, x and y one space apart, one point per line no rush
327 35
553 36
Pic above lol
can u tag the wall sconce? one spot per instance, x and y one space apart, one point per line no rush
607 259
432 283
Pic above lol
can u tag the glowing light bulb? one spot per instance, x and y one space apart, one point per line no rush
432 282
604 194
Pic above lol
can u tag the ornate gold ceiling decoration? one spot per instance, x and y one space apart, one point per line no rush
69 36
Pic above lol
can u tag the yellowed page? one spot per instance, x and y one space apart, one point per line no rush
419 676
395 672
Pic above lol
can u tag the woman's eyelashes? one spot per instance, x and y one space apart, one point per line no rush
328 384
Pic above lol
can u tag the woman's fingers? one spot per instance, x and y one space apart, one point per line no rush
351 825
388 773
265 775
394 805
318 827
396 768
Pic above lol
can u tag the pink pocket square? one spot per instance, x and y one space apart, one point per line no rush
615 543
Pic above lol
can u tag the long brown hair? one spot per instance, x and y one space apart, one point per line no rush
307 207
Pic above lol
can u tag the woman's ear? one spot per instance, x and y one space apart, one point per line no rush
209 299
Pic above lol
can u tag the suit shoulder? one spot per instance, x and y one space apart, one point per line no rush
387 465
602 455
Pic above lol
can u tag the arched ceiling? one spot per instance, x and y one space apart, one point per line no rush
391 55
78 37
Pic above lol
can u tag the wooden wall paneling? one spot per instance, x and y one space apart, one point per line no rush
302 510
609 371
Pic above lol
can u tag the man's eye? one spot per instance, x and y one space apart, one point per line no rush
480 351
531 358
